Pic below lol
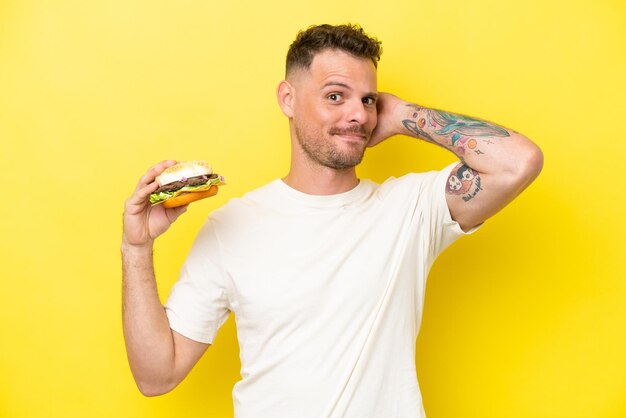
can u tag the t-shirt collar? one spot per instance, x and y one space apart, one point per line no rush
351 196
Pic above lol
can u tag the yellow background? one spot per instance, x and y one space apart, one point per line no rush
526 318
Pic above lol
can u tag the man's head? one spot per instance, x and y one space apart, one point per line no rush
330 94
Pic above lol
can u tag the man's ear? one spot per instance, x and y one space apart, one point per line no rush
285 94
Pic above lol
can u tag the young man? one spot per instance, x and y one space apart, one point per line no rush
324 272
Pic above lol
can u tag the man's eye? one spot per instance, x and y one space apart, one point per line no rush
334 97
369 101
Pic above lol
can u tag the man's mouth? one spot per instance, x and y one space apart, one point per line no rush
356 134
353 136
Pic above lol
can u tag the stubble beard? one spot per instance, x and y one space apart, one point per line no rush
325 153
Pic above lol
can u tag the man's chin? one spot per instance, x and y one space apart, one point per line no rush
345 161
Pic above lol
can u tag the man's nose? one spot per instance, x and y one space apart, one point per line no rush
357 112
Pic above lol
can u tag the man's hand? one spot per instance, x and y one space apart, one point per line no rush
389 109
143 222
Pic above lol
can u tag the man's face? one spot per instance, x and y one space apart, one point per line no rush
335 108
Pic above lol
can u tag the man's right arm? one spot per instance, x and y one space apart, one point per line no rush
159 358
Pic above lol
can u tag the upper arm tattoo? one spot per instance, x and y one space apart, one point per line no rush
464 181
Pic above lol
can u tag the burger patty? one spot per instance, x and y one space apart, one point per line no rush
192 181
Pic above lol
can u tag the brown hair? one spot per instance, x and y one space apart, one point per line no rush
348 38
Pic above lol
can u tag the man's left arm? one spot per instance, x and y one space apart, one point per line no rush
497 163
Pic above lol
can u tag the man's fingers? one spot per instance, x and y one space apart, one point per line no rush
138 201
153 172
141 195
173 213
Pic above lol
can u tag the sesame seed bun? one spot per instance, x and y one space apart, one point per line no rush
185 169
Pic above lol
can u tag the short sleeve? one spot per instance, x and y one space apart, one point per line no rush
198 303
440 229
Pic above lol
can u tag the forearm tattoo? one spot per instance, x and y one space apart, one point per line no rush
457 133
463 181
417 127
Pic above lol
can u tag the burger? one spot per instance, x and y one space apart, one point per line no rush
184 183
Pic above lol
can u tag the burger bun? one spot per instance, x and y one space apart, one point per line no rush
182 169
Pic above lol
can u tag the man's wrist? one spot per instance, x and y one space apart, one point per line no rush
402 110
137 249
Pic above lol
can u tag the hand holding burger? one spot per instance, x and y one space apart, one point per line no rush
144 222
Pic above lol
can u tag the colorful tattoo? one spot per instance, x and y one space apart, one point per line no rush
460 132
415 128
461 135
464 125
463 181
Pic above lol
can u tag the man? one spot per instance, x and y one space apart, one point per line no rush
324 272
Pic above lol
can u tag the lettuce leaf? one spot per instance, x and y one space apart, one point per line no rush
156 198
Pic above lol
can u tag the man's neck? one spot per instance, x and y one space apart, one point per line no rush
317 180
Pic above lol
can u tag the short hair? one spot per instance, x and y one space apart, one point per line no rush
348 38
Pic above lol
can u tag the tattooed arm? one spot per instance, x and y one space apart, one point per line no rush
497 163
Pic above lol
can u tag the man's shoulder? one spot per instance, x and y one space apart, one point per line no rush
408 181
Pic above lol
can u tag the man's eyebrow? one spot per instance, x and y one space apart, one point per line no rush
336 83
347 87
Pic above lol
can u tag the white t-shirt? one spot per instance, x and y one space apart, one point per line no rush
327 293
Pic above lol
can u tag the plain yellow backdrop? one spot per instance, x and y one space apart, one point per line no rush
526 318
